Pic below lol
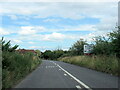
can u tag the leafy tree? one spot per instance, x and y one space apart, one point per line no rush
102 46
77 47
58 53
38 52
108 45
115 41
6 46
48 54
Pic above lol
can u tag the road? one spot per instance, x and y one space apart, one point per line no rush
56 74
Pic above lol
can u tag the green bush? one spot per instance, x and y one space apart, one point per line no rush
16 66
77 47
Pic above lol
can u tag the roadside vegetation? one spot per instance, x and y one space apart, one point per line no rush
99 63
105 56
15 65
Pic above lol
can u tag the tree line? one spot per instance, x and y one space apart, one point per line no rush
109 45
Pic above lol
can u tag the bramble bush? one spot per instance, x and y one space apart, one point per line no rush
16 65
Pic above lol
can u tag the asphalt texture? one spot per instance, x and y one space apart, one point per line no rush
56 74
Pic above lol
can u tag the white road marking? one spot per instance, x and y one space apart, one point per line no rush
74 78
78 87
54 63
50 66
65 74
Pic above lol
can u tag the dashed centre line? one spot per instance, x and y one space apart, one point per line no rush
78 87
65 74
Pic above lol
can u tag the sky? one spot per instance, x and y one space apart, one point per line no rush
53 25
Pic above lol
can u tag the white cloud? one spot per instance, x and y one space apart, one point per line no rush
27 30
16 41
106 12
66 10
31 30
51 20
31 42
107 23
40 28
53 37
86 27
59 0
41 48
3 32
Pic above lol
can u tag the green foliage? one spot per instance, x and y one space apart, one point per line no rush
58 53
115 41
102 46
15 66
38 52
77 47
6 46
48 54
108 45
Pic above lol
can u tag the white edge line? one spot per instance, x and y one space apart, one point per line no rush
75 78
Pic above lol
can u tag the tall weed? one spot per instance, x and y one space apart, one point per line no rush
108 64
16 66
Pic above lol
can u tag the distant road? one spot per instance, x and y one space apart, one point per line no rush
56 74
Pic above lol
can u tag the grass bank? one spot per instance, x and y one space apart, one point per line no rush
100 63
16 66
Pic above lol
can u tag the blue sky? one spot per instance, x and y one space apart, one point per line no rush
55 25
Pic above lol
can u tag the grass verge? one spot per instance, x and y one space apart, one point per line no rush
100 63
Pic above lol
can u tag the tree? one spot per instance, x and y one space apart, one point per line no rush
102 46
38 52
108 45
77 47
58 53
115 40
6 46
48 54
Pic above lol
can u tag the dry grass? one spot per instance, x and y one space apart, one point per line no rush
100 63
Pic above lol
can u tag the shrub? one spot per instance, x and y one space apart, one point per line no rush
16 66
